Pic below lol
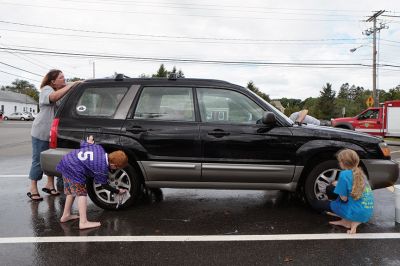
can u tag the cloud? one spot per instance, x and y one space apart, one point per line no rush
257 31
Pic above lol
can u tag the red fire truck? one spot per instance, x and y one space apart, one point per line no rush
380 121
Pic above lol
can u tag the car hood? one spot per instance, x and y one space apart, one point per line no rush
333 133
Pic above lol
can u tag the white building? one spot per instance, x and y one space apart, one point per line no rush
11 102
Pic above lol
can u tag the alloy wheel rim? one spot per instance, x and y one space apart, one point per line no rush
119 179
323 180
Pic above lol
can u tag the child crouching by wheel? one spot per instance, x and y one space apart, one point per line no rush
354 202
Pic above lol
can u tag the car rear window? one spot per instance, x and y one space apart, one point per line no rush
100 101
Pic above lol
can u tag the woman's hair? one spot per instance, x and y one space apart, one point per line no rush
49 77
118 158
350 160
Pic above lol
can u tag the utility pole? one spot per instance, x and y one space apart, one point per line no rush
373 31
94 70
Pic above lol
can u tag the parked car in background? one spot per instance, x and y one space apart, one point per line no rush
203 133
19 116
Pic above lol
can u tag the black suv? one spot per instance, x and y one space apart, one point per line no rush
200 133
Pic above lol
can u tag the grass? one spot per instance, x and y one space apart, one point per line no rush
393 139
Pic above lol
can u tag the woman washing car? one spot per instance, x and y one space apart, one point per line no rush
52 89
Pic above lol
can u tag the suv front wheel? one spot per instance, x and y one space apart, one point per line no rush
319 178
125 178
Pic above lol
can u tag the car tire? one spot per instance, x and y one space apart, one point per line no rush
5 118
125 178
22 119
320 176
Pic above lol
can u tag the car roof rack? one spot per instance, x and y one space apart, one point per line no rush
120 77
173 76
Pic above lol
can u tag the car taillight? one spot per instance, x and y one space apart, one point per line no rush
53 133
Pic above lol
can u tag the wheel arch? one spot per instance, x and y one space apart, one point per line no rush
314 152
135 151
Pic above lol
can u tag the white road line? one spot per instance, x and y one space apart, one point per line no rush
13 176
394 151
199 238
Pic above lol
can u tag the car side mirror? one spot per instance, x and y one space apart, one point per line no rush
268 118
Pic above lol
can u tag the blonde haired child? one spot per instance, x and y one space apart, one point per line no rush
355 203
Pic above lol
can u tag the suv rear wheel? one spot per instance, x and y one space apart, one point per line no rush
126 178
319 178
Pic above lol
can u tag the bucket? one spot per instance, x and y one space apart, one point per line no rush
397 203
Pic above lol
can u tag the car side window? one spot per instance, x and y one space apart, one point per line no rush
370 114
166 103
227 106
100 101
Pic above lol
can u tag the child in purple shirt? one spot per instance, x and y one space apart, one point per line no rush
90 160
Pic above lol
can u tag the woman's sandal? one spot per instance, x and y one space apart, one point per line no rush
50 191
31 196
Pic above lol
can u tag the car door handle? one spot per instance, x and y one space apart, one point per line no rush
219 133
136 129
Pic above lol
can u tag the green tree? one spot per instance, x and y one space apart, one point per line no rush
311 105
394 93
180 74
23 87
161 72
326 102
253 88
344 92
291 105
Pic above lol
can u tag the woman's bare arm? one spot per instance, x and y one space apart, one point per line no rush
58 94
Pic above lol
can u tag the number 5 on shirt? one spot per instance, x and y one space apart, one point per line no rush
83 156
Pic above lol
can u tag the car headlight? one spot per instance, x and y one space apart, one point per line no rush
385 149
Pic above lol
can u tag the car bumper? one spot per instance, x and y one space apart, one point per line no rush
49 160
381 173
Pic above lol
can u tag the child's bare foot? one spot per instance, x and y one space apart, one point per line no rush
88 225
353 228
342 222
68 218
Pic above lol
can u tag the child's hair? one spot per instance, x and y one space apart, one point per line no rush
350 160
118 158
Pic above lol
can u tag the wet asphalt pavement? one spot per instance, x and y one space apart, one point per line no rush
183 212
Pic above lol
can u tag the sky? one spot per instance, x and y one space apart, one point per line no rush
287 48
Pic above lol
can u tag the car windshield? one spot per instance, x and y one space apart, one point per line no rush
273 108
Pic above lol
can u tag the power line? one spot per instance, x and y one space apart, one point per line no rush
28 60
270 42
173 14
180 37
74 51
15 75
200 61
17 67
226 6
390 16
213 8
